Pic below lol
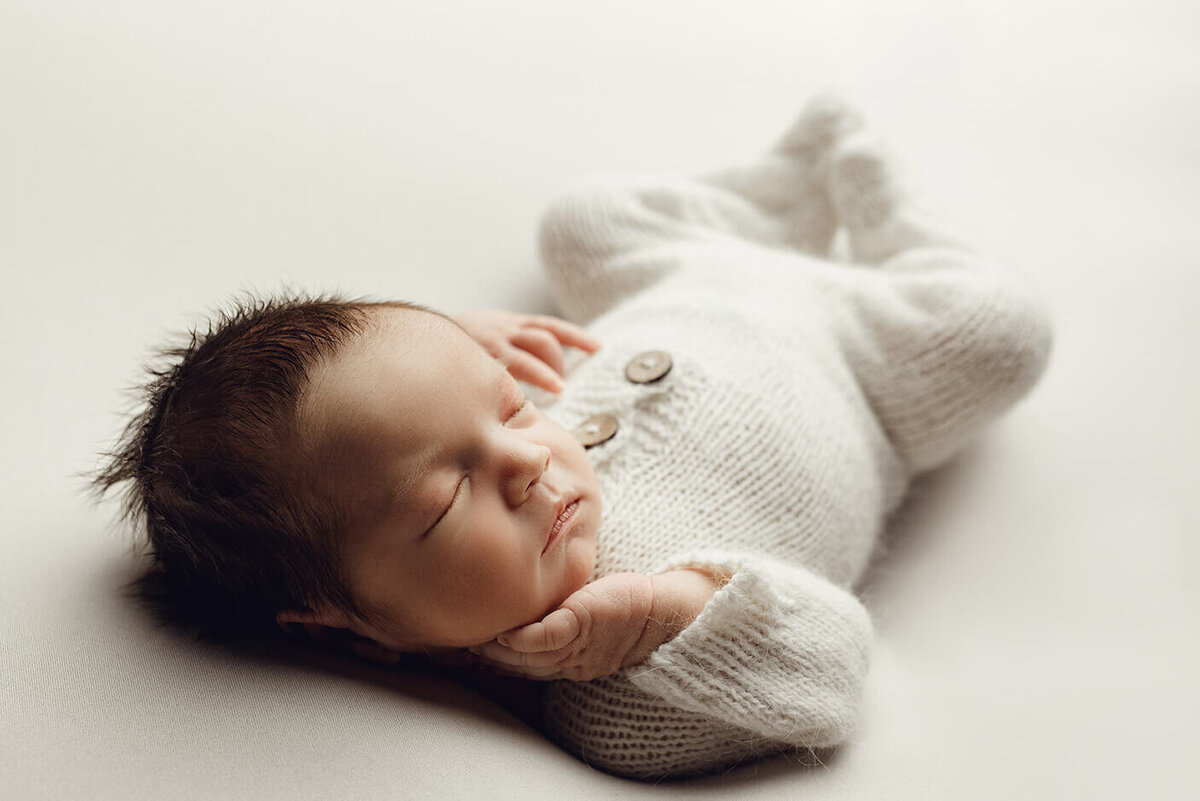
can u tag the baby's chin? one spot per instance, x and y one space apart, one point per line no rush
577 572
581 560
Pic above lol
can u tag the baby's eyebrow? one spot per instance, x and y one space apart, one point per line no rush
404 495
502 374
504 379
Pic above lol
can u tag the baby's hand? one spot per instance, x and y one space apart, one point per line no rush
597 630
529 345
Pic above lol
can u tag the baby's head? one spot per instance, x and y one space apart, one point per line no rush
354 467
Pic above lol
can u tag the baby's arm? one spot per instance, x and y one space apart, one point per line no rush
775 660
613 623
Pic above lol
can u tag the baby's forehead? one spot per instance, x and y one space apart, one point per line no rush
431 340
401 360
407 322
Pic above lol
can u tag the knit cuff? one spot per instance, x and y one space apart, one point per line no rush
778 650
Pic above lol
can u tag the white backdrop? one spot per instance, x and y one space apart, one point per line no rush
1038 618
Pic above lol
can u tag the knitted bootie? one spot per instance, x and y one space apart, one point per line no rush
789 185
868 201
824 123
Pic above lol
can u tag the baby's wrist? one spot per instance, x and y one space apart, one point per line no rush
679 597
688 591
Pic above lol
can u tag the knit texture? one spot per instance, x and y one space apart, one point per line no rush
805 394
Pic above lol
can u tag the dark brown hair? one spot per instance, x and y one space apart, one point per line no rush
211 474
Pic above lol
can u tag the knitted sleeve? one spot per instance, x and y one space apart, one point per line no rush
775 661
602 242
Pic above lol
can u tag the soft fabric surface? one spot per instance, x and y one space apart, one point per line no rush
1036 622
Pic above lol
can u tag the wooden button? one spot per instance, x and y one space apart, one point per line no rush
596 429
649 366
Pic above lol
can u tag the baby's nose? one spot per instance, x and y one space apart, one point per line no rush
526 469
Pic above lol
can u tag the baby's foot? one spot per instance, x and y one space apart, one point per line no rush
879 219
808 148
789 186
825 122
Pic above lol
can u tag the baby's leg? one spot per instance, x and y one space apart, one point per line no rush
603 243
879 220
783 198
941 341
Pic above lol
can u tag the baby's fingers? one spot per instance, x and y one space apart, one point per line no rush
541 344
557 630
499 655
566 333
527 367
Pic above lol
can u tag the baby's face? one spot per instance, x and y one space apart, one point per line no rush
455 482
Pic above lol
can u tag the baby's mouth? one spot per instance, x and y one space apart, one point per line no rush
560 523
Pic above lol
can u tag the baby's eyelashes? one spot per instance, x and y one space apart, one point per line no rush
526 406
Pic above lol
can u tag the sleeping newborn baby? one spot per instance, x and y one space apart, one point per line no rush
669 541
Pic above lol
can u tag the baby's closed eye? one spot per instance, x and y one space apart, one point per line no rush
457 492
525 406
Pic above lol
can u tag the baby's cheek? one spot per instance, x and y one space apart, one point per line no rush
523 591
